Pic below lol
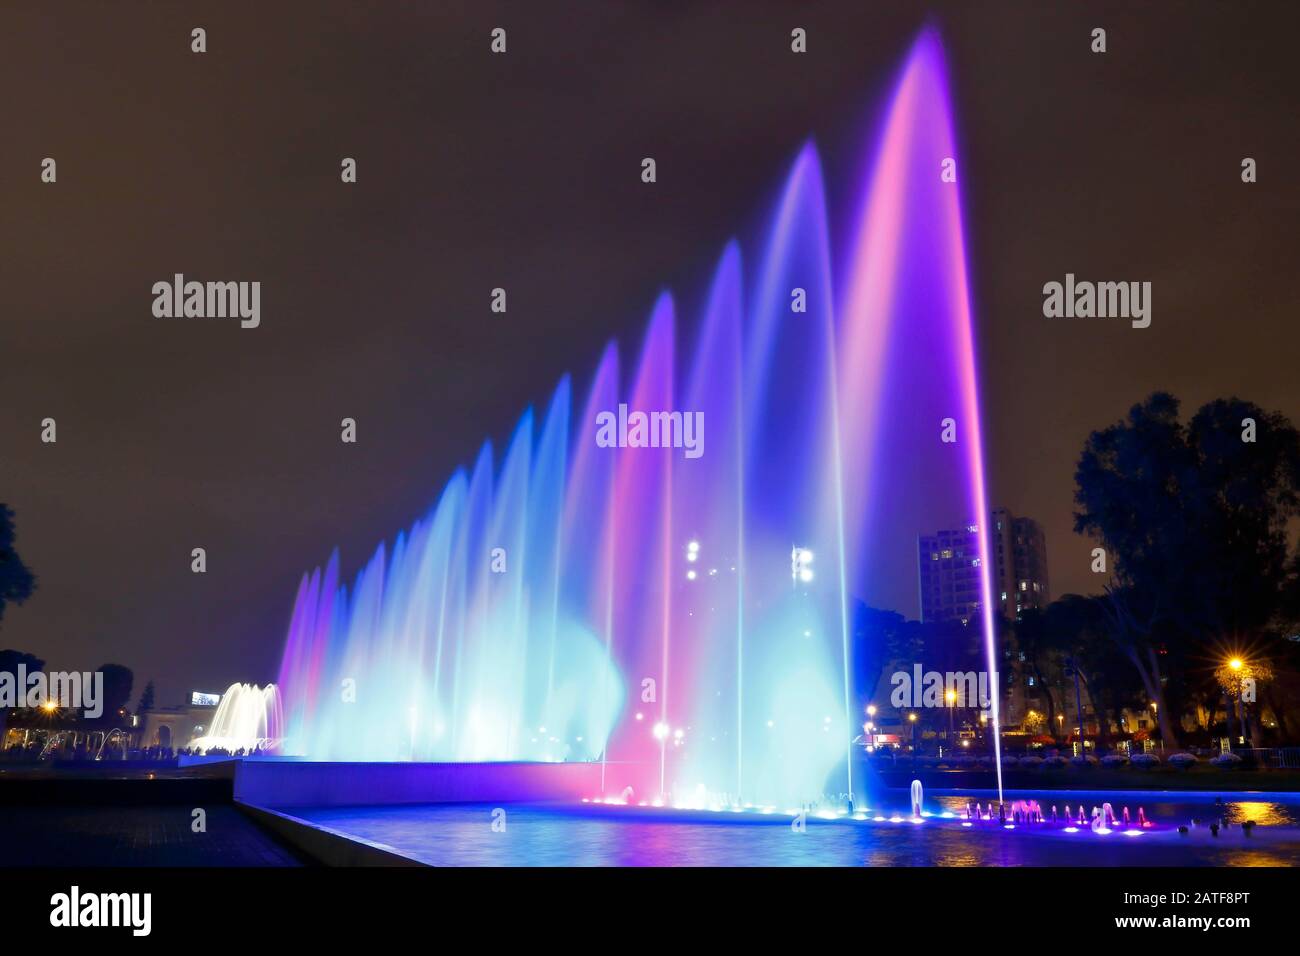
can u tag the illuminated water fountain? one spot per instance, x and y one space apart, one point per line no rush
248 718
683 614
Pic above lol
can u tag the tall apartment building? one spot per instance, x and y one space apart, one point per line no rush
948 565
1021 563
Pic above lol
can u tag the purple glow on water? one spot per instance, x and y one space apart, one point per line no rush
640 607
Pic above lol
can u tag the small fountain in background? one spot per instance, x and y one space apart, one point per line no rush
918 794
248 718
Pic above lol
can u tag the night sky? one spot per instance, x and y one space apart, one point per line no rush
522 171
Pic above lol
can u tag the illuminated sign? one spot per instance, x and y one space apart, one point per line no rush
199 699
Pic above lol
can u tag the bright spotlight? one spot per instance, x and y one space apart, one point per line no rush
693 547
800 559
661 731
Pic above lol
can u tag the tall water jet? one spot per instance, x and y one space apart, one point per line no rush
906 351
673 596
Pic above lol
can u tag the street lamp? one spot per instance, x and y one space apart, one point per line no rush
951 697
1235 666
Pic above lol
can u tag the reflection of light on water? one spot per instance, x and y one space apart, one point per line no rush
1261 812
1251 858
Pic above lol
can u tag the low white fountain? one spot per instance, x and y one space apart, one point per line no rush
248 718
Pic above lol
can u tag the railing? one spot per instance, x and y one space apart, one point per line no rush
1272 758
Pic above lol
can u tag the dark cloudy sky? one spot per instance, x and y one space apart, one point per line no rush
521 171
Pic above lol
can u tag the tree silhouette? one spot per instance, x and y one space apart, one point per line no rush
117 691
16 581
10 660
146 699
1194 519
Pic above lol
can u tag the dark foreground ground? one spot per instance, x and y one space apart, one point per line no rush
158 835
130 819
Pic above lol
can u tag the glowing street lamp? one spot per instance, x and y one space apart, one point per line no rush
1235 681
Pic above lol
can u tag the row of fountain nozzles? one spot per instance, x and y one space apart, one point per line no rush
1029 811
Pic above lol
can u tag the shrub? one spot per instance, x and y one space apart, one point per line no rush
1114 760
1181 760
1031 761
1084 760
1144 761
1055 762
1227 761
1009 760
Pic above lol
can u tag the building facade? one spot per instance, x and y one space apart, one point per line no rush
948 566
